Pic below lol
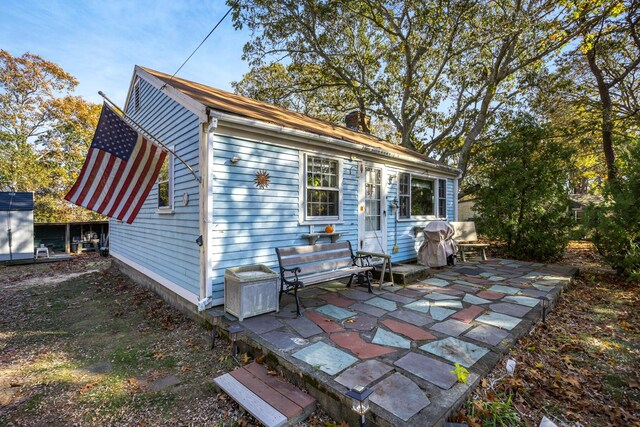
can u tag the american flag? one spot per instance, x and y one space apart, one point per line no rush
120 169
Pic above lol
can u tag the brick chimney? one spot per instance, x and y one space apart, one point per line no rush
358 121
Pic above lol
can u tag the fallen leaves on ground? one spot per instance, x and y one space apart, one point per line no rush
580 367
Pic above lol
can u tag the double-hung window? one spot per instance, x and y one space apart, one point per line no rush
416 196
322 184
164 185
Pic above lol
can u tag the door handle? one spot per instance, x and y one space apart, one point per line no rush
361 243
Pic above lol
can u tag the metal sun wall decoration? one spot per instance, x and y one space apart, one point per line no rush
262 179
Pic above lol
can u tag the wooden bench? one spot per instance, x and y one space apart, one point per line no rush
307 265
467 238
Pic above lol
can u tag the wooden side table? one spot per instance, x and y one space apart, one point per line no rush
386 262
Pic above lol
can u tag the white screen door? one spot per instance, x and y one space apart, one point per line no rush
372 215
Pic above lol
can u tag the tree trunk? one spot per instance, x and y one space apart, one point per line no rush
607 119
475 131
405 138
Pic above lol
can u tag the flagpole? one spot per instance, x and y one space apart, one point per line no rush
149 135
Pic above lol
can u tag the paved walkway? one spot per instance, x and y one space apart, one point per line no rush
404 341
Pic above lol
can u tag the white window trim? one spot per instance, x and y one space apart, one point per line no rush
413 218
302 191
168 210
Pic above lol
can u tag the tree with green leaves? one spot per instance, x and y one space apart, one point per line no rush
616 224
434 72
387 60
523 200
45 133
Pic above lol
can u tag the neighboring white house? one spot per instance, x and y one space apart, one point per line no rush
269 177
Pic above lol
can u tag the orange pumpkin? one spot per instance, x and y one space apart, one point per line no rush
329 229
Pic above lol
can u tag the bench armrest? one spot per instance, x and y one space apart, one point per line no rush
294 270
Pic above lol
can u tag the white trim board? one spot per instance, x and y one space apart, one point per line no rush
186 101
176 289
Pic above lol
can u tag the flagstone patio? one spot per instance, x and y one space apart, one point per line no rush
404 341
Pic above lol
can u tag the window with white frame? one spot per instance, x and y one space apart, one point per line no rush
322 188
164 184
442 198
416 196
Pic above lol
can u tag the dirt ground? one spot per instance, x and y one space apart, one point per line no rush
81 345
580 368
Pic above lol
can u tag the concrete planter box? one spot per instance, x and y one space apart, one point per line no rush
250 290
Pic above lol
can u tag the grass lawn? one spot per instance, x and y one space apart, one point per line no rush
97 350
580 367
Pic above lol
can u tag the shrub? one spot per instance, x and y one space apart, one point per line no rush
524 201
616 224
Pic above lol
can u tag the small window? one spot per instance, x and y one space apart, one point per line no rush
322 188
442 198
165 184
136 95
416 196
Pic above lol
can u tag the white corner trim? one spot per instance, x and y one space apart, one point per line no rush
191 297
130 91
455 199
186 101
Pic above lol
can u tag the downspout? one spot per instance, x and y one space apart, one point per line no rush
207 129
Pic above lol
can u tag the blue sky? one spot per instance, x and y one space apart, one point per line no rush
99 42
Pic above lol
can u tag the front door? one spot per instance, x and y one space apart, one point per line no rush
372 227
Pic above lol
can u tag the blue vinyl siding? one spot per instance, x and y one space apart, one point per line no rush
165 243
249 223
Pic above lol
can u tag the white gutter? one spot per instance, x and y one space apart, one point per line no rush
323 140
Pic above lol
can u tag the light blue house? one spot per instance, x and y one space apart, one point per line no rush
270 177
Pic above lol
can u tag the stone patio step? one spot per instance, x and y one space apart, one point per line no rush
271 400
405 274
